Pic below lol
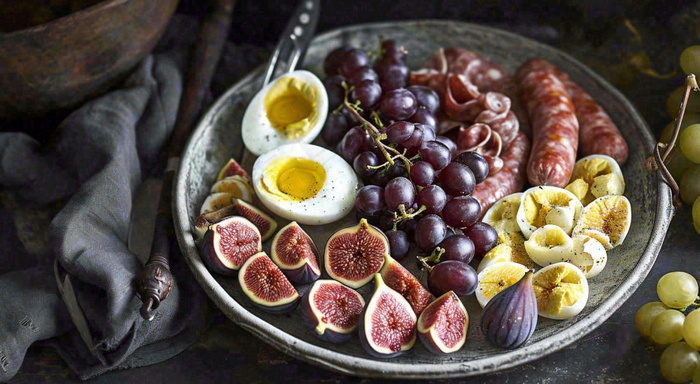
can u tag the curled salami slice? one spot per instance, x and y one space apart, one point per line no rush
554 127
510 179
597 132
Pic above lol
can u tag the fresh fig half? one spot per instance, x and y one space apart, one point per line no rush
388 324
353 255
331 310
402 281
296 254
266 286
229 243
232 168
265 224
443 325
510 317
203 221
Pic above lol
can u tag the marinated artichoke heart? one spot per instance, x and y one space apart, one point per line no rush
561 291
589 255
549 245
606 219
496 278
595 176
502 215
511 247
545 205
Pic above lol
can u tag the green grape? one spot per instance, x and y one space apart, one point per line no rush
677 289
690 60
678 362
690 184
646 315
667 327
696 376
691 329
677 164
696 216
688 119
673 102
690 143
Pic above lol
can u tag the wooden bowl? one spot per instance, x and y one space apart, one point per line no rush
66 61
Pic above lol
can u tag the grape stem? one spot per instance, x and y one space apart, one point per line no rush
657 161
376 134
434 256
406 215
423 261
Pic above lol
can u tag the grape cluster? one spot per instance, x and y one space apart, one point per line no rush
416 186
684 164
666 324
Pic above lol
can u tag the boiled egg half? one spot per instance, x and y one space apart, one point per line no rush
291 109
306 183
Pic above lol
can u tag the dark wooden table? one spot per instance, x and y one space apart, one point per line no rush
620 42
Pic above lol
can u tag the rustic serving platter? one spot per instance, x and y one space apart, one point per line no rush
218 138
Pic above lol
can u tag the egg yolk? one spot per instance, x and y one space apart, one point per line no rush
293 178
290 105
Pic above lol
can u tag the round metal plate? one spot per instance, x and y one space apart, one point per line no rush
217 138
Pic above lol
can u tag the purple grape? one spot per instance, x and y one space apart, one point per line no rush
369 200
477 163
448 143
461 211
398 104
367 93
453 276
353 121
399 131
429 232
435 153
398 243
335 91
393 75
331 65
426 97
352 144
425 117
395 170
422 173
335 127
392 51
353 60
362 74
433 198
399 191
409 226
457 247
484 238
457 179
362 163
415 140
428 132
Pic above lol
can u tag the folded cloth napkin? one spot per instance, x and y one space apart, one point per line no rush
85 302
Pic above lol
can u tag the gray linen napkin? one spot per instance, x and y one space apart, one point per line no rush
95 159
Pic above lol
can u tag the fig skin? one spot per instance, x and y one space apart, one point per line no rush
510 317
379 286
425 334
378 259
203 221
304 274
312 321
409 287
274 309
208 250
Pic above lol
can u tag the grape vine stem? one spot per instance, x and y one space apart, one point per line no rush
658 160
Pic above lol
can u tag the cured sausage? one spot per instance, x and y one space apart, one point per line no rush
597 132
554 126
510 179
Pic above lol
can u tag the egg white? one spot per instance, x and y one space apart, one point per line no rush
260 136
334 200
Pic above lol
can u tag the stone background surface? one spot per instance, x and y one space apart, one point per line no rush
633 44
